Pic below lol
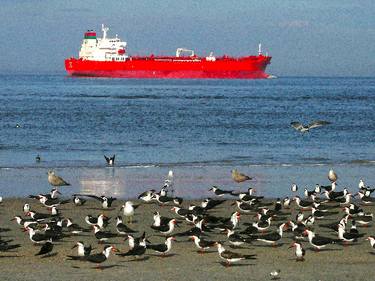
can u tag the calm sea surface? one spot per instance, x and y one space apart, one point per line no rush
200 129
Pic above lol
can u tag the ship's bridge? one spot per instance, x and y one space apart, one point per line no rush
102 49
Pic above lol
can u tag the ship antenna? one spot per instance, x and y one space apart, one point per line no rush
260 49
104 29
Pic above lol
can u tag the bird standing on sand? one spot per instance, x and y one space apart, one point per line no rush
275 274
110 160
300 252
332 176
46 249
302 128
239 177
231 257
55 180
128 210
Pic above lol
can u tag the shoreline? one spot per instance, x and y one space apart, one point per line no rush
354 262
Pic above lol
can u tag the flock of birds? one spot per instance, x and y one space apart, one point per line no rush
272 219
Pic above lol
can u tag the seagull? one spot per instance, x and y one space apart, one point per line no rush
129 209
302 128
55 180
332 176
110 160
239 177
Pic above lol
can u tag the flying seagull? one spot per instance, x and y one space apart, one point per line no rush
302 128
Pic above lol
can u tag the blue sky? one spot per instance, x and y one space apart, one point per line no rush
305 38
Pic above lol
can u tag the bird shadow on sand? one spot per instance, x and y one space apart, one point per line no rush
371 253
324 250
106 267
205 252
270 246
100 209
224 264
8 256
49 256
161 256
138 260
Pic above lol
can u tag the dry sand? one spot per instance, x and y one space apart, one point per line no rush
184 263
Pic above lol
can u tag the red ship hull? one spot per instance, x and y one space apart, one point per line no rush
251 67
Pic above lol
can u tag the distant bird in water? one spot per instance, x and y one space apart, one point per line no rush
46 248
110 160
294 187
55 180
239 177
332 176
37 158
302 128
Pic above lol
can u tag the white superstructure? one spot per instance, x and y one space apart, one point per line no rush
102 49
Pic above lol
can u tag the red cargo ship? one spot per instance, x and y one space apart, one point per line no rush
107 57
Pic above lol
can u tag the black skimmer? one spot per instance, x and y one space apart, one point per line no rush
162 248
110 160
262 225
308 193
25 223
332 176
347 237
49 203
286 202
137 251
329 188
159 220
231 257
83 250
162 200
306 128
321 214
147 196
201 243
37 237
220 192
353 228
300 252
134 241
372 241
302 204
239 177
230 223
128 210
38 158
26 208
294 187
100 257
210 203
38 216
297 229
78 201
73 227
364 220
244 207
102 220
366 199
123 228
361 184
182 212
273 237
166 229
101 235
46 249
299 217
235 239
319 242
55 180
104 200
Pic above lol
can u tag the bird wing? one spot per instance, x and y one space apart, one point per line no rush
91 196
296 125
107 159
231 255
318 123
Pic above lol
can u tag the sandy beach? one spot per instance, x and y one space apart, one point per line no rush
354 262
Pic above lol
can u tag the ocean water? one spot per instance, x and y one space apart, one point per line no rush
201 129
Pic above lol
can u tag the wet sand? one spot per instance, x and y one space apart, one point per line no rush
355 262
